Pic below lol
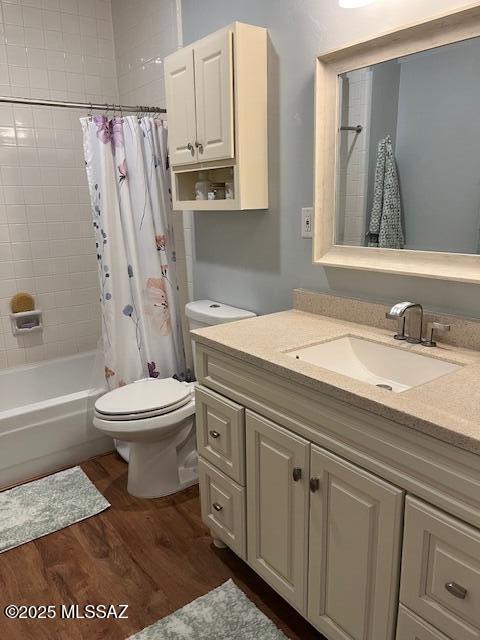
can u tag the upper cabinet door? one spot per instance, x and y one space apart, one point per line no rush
277 499
214 97
355 533
180 93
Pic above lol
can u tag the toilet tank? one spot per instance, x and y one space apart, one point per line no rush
205 313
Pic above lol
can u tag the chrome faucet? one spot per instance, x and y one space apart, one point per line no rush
398 311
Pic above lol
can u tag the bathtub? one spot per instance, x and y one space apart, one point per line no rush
46 412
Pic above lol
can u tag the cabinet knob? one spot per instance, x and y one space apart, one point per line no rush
214 434
314 484
456 590
297 474
217 507
190 147
199 146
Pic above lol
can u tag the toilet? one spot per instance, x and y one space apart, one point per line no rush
157 419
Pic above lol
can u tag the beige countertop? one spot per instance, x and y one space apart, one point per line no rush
447 408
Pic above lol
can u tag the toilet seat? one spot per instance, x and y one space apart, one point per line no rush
143 399
142 429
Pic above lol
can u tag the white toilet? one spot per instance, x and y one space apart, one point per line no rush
157 419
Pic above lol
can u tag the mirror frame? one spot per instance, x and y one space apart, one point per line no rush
447 28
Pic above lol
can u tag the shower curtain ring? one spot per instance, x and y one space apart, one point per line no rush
90 114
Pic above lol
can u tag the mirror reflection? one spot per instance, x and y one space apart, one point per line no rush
408 157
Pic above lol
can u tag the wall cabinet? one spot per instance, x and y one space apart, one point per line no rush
180 87
216 92
313 507
214 97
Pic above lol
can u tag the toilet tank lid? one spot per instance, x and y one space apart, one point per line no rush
211 312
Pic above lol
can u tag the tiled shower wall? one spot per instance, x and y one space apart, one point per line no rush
145 32
54 49
353 165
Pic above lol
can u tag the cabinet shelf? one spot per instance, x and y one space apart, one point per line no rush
208 205
185 182
216 91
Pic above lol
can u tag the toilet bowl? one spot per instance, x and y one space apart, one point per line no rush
156 420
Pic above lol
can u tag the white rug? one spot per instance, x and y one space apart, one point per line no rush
43 506
222 614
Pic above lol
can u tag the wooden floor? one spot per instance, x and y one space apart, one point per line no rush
154 555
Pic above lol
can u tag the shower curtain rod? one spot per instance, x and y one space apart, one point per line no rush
82 105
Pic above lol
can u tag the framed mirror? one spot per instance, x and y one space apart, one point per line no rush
397 151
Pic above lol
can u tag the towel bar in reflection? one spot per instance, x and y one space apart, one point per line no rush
358 128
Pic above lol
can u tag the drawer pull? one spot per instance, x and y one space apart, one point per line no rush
456 590
297 474
214 434
217 507
314 484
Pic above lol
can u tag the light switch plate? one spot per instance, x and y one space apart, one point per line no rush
307 222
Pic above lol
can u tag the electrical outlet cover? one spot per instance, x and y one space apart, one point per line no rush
307 222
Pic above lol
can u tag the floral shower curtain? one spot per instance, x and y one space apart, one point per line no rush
126 163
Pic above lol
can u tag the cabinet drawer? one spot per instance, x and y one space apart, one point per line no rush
223 507
411 627
221 433
441 570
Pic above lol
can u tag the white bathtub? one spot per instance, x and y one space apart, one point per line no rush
46 416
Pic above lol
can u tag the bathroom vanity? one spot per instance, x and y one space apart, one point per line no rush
341 464
358 504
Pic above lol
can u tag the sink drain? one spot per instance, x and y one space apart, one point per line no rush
385 386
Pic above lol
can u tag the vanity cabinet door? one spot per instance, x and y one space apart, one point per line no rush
354 550
214 96
180 94
277 507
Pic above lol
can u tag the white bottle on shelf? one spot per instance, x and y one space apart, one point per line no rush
202 186
229 186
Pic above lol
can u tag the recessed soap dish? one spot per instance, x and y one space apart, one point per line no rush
26 322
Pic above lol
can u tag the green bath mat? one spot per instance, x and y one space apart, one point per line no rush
43 506
222 614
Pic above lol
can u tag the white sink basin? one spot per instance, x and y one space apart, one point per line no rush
375 363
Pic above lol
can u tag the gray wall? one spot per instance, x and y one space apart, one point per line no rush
384 113
438 148
253 260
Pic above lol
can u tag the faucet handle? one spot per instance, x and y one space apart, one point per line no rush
431 327
401 325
